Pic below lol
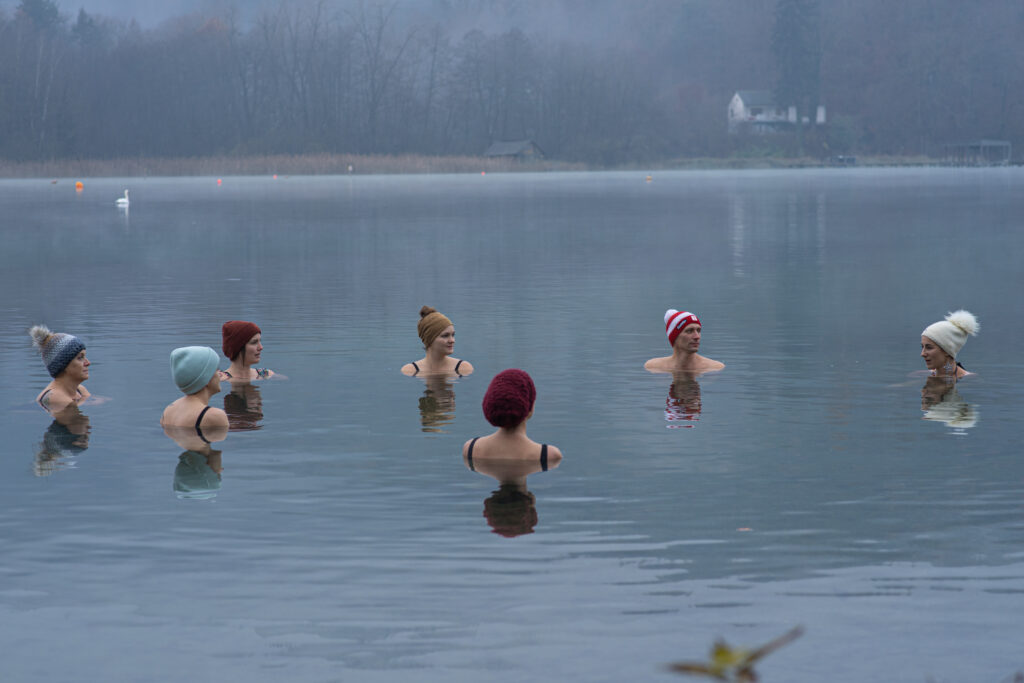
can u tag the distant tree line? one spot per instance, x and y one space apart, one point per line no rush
650 81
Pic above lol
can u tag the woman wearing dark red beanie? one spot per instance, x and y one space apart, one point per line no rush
242 345
509 455
507 405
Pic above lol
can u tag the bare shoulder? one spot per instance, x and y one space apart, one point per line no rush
554 454
658 364
466 368
409 369
712 365
215 417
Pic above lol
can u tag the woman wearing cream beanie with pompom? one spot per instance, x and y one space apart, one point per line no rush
942 341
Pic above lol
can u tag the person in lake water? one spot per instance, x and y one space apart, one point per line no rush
438 336
64 358
508 404
242 345
684 331
942 341
194 369
509 455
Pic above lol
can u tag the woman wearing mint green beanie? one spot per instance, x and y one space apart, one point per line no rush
194 369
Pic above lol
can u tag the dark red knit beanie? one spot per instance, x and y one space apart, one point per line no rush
236 333
509 398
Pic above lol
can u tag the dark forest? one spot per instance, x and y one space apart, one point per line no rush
599 82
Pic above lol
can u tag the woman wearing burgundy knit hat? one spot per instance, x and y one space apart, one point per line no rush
507 405
438 336
683 329
242 345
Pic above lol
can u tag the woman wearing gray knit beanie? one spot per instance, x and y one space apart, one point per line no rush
64 358
942 341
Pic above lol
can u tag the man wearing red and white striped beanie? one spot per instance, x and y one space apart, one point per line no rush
684 332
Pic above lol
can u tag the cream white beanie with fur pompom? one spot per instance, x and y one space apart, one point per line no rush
951 334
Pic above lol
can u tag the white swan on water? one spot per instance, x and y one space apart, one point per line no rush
123 201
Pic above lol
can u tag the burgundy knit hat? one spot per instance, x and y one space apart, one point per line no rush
509 398
236 333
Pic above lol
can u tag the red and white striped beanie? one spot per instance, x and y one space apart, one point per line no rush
675 321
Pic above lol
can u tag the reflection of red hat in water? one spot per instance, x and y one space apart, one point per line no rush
511 511
683 404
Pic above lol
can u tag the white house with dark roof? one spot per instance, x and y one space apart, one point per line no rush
758 111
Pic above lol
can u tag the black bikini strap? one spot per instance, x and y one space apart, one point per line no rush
417 368
544 457
198 420
469 453
457 368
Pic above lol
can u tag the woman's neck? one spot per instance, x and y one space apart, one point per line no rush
67 384
239 369
436 358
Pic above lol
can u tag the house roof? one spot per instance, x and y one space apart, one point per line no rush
757 98
502 149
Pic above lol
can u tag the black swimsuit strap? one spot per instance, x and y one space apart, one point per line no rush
469 453
42 396
417 368
544 457
198 420
457 368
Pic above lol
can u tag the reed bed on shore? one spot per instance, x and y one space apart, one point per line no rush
280 164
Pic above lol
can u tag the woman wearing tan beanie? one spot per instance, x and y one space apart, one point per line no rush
438 336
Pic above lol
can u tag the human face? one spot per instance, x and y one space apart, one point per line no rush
214 384
445 342
252 350
689 339
934 357
78 368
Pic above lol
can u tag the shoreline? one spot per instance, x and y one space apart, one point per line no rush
351 164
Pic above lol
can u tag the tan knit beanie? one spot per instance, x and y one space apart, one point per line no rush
431 324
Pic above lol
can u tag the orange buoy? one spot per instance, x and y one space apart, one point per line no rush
79 186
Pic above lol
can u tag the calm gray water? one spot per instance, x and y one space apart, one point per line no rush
346 541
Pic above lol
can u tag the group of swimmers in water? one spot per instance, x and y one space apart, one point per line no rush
507 454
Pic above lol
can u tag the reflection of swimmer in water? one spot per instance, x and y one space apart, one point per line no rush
941 402
437 405
243 345
194 369
942 341
66 437
197 475
511 511
199 468
683 403
508 454
244 407
684 333
438 336
64 357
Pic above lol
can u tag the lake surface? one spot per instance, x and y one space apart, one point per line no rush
345 540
